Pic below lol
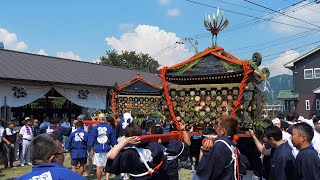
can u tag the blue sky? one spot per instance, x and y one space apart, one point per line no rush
83 27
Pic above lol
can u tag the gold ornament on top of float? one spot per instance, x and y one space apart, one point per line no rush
230 98
202 113
197 98
182 93
203 93
218 98
213 114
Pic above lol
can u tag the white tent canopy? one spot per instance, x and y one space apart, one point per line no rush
16 95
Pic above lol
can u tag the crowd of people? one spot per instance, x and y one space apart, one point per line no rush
289 147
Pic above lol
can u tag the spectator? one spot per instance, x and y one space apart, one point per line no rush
47 159
122 124
26 135
45 122
1 129
77 146
36 128
66 123
147 127
282 161
9 138
55 129
307 161
102 137
316 122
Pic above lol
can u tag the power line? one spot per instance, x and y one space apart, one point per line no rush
301 20
255 17
237 5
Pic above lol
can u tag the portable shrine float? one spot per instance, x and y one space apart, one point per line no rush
214 83
137 96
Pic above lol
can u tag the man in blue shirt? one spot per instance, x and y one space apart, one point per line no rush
45 122
102 137
77 146
282 161
47 158
55 129
217 161
307 160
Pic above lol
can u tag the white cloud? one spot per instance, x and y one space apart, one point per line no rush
151 40
42 52
173 12
277 66
126 27
69 55
304 11
11 41
97 61
164 2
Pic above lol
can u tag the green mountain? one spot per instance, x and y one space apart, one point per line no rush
277 83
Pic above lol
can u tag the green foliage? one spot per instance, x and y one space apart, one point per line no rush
127 59
139 120
230 66
156 114
186 67
59 101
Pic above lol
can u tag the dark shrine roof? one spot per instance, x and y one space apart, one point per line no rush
208 67
139 86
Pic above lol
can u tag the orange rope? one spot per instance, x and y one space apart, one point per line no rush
167 96
247 71
234 61
197 56
136 79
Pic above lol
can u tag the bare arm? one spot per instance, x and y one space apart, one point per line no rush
185 135
205 147
112 154
260 146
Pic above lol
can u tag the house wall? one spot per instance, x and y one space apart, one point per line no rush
301 106
305 87
302 85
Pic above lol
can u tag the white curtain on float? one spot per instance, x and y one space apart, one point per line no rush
85 97
19 95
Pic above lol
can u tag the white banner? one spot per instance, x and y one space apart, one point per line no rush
19 95
85 97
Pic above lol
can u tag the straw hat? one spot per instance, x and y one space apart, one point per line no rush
26 119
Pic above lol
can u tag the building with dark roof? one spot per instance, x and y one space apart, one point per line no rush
32 81
305 97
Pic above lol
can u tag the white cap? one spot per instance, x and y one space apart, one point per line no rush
276 121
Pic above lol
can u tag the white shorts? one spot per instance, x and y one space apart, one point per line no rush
100 159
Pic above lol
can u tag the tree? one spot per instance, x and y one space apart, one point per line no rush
128 59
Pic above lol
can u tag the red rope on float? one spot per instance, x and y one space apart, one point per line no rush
114 105
167 96
247 71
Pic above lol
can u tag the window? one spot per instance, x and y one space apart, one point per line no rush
317 104
307 105
316 73
308 74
